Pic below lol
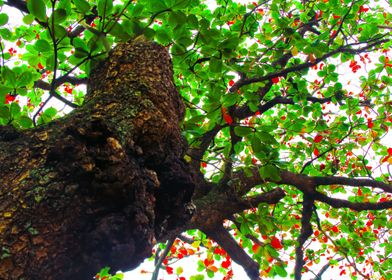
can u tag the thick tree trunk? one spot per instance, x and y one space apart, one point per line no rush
101 185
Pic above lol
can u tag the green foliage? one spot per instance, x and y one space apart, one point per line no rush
301 85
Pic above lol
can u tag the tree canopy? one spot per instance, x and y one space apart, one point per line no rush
288 111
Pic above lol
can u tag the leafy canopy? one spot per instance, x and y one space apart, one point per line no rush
300 86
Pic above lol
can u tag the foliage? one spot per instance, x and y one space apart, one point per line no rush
301 86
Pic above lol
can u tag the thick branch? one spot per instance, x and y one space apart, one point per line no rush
335 180
244 112
306 232
358 206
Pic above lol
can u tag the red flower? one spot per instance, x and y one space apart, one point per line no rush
275 80
335 229
316 152
231 83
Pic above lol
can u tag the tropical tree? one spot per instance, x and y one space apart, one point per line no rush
257 131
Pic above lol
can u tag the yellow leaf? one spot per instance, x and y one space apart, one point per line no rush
196 244
294 51
7 214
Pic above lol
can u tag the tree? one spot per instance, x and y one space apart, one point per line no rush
247 139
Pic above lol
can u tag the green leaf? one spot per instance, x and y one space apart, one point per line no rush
25 79
269 171
280 271
215 65
266 138
3 19
4 112
42 45
37 8
28 19
9 77
59 15
162 36
14 110
242 131
82 5
104 7
25 122
257 145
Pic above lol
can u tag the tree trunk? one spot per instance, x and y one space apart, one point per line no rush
101 185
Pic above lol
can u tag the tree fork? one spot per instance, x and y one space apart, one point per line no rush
103 184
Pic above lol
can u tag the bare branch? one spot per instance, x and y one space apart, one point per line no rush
324 269
164 254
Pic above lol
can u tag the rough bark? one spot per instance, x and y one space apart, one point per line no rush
101 185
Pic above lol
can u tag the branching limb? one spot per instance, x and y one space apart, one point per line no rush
357 206
324 269
306 232
343 49
164 254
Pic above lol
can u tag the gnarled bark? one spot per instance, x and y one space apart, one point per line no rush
101 185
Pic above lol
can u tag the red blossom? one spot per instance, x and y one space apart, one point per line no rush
231 83
316 152
335 229
275 80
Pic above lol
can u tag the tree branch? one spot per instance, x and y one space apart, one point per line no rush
306 232
324 269
227 242
164 254
299 67
357 206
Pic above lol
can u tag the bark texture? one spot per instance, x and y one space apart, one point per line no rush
101 185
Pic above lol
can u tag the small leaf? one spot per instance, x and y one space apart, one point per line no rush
59 15
82 5
242 130
104 7
42 45
3 19
269 171
28 19
37 8
215 65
